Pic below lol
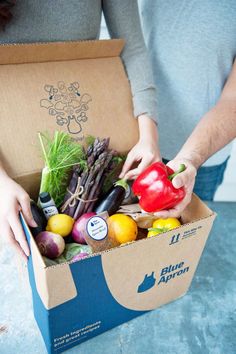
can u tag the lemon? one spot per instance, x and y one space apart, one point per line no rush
122 228
163 225
61 224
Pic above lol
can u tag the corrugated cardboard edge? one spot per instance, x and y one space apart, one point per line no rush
51 290
48 278
59 51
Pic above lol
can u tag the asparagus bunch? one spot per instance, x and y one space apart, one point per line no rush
86 183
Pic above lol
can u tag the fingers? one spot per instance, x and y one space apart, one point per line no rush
185 178
17 229
136 171
171 213
14 199
164 214
10 239
146 151
132 174
24 201
127 165
145 161
178 209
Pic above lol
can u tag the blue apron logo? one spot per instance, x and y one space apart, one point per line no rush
147 283
166 274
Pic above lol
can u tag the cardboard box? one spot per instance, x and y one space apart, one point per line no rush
76 301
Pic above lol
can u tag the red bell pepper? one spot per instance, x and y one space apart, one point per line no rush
155 189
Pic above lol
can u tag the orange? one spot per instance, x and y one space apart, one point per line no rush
122 228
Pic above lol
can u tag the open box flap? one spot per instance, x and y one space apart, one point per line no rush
54 287
58 51
78 87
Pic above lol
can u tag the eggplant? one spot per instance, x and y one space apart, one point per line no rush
130 198
113 199
39 218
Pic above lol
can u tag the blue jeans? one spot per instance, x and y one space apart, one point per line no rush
208 179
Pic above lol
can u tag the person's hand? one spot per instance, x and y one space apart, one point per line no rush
185 179
145 152
13 200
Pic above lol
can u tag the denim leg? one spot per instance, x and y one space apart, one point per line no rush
208 179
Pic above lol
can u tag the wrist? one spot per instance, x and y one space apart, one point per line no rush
147 129
192 156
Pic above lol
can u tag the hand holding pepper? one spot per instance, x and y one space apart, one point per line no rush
155 189
186 179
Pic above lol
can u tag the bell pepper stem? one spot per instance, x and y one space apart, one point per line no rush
182 168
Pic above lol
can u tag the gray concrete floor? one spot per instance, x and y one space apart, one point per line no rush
203 321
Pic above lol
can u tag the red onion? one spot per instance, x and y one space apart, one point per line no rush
79 228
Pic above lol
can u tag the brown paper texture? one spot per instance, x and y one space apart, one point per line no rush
125 268
78 87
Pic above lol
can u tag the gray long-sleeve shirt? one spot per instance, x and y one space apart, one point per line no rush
192 46
61 20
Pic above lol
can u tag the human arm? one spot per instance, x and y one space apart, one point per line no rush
13 199
216 129
123 21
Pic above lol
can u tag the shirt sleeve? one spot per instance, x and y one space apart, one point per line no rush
122 19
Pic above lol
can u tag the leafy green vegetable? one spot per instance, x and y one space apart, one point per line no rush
60 153
71 250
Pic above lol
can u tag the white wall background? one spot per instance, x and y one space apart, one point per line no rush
104 33
227 191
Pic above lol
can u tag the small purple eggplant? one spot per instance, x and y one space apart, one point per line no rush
113 199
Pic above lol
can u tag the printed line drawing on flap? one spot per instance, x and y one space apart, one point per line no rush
67 105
